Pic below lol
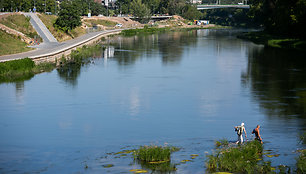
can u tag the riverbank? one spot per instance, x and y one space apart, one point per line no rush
268 40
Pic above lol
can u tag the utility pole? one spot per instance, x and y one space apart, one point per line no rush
45 6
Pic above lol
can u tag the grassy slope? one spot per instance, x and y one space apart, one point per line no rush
61 36
100 22
9 44
20 23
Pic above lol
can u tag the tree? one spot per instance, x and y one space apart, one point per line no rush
69 16
190 12
140 10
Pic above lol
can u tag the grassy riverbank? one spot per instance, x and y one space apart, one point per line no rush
274 41
23 69
153 30
10 44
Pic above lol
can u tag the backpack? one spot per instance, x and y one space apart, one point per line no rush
238 130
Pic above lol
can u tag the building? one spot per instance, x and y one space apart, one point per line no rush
196 1
108 3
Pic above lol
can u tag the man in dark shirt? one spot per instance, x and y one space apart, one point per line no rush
257 134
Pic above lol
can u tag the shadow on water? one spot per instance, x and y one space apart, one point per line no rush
277 79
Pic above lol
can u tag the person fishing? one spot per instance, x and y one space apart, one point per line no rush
240 130
257 134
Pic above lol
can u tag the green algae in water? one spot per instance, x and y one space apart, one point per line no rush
108 165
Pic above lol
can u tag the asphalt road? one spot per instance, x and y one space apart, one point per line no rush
50 48
40 27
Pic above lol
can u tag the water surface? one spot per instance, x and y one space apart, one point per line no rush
185 89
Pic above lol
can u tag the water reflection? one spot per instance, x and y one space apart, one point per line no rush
19 92
70 74
167 45
277 79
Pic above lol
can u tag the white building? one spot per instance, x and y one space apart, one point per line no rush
196 1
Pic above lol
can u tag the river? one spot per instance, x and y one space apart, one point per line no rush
185 89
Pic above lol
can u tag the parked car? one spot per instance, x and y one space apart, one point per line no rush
118 25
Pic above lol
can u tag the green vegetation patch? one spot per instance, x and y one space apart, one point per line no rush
274 41
20 23
79 55
301 162
154 153
155 158
22 69
246 158
145 30
10 44
100 22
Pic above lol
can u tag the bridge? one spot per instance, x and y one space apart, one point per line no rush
206 7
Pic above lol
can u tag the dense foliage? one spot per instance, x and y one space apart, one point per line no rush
69 16
140 10
171 7
281 17
84 7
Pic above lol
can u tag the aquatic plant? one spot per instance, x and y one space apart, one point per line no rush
154 153
79 55
246 158
222 143
301 162
155 158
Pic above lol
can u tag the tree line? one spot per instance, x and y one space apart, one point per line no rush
280 17
54 6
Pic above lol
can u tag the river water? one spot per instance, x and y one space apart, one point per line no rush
184 89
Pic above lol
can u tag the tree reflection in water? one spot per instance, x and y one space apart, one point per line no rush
168 45
277 79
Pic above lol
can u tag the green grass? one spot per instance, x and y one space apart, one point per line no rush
80 55
22 69
222 143
153 153
145 30
246 158
20 23
101 22
301 162
9 44
275 41
155 158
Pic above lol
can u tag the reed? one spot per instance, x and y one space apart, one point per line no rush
246 158
154 153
